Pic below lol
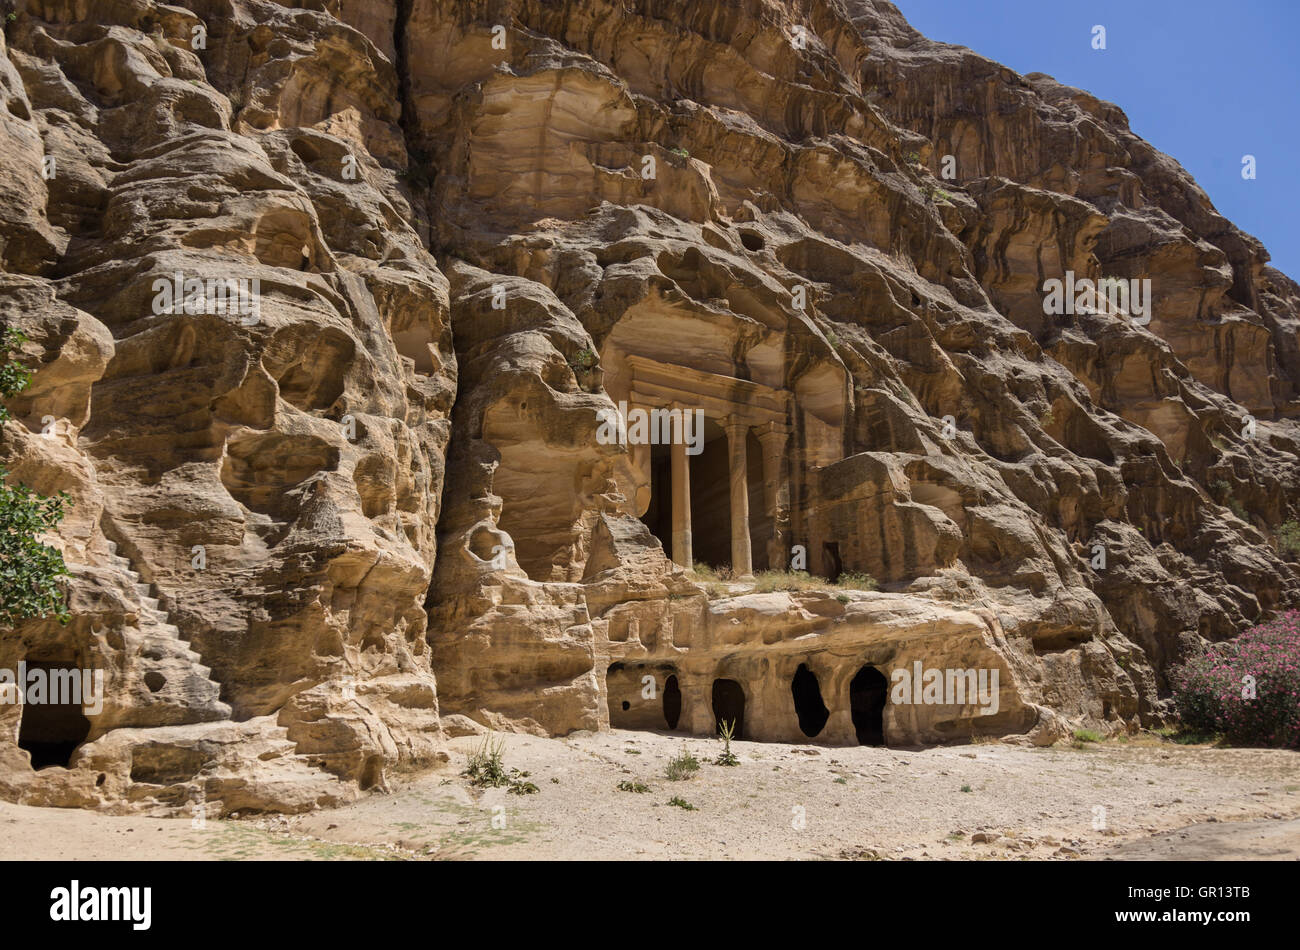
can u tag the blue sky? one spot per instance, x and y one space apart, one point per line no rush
1206 81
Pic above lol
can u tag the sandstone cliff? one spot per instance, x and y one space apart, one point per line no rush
312 536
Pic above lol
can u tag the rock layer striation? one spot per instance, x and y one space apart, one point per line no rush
313 536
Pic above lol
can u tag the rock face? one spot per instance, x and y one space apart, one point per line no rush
375 491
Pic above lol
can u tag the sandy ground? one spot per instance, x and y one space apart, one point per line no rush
1144 799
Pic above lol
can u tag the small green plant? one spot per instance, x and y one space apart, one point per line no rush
584 359
680 802
1047 419
841 781
713 580
1288 537
638 787
682 767
965 788
1086 735
704 572
726 732
913 158
1193 737
843 598
766 582
681 153
485 768
14 376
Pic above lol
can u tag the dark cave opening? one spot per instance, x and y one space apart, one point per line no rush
50 731
729 705
808 704
867 696
672 702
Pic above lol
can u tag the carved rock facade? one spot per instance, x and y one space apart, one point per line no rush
304 536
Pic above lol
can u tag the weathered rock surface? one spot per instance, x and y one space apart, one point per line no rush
300 536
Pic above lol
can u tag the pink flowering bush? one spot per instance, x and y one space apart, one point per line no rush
1212 692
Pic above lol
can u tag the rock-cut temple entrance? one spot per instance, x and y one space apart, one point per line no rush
720 505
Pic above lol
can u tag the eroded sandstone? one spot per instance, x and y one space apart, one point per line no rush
308 546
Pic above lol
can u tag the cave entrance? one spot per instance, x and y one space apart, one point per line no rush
867 695
729 705
672 702
808 704
634 702
832 566
53 723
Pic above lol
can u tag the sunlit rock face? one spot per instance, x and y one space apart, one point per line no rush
795 253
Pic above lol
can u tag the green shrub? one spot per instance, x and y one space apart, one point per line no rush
31 573
1247 689
1288 537
726 732
584 359
765 582
486 768
683 766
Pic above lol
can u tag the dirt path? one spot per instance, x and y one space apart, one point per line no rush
979 802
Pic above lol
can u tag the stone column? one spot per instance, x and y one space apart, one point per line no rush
742 562
643 470
681 466
776 495
697 704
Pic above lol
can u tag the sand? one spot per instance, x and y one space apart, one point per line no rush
1143 799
